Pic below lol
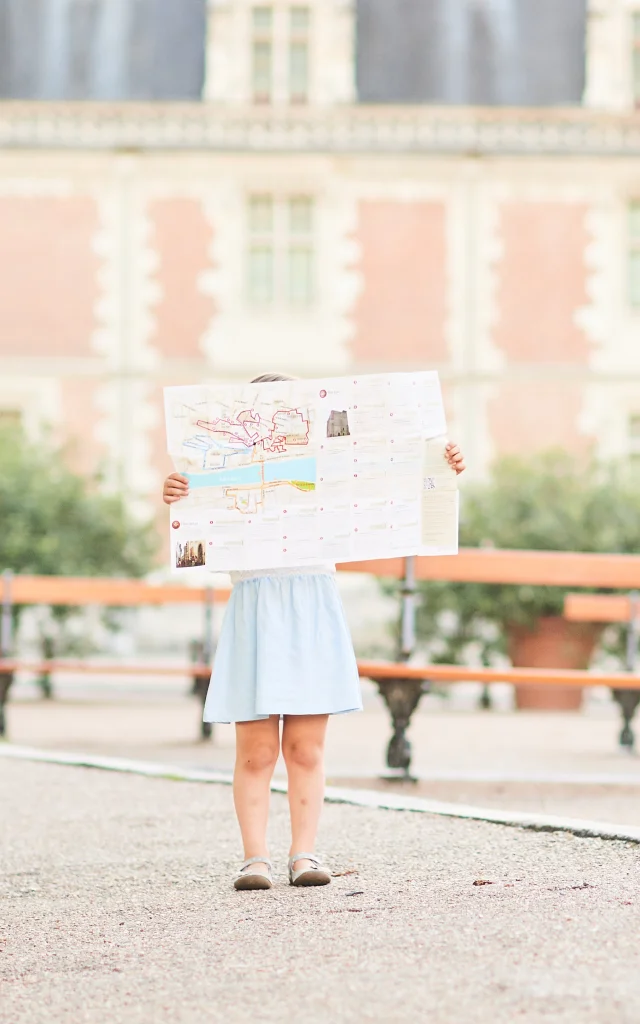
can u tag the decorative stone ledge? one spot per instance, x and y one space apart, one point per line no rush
351 129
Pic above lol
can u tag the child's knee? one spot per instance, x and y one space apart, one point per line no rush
307 754
259 756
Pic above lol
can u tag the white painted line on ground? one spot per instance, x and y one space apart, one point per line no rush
551 778
335 794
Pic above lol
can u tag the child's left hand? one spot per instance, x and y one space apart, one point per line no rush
455 458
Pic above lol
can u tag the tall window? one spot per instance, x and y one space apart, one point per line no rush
636 58
262 71
634 254
300 284
281 250
299 55
261 250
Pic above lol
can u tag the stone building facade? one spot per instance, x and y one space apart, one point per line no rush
285 221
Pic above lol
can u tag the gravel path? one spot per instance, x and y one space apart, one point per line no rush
117 907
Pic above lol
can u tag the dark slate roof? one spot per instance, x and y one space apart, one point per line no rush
477 52
513 52
102 49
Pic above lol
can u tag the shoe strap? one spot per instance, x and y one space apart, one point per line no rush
256 860
313 857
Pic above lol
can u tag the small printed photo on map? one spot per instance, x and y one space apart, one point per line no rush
190 553
338 424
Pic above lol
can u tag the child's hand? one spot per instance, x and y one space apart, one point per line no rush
175 487
455 458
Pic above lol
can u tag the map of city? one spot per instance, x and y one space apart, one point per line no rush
303 472
247 454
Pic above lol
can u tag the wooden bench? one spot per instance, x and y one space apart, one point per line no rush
609 608
400 684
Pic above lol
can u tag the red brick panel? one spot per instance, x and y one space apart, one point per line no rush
542 282
400 313
48 275
182 238
537 414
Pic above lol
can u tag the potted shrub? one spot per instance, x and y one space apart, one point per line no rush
548 501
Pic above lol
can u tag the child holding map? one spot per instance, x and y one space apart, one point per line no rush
284 652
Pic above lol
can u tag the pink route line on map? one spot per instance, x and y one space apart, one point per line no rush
239 430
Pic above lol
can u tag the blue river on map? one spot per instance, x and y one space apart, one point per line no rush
275 471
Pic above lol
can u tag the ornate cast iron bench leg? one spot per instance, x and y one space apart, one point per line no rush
200 684
6 679
628 701
402 697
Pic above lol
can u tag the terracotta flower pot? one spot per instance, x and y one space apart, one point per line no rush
553 643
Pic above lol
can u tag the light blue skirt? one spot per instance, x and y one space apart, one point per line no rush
284 649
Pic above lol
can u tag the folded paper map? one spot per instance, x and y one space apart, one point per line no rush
311 471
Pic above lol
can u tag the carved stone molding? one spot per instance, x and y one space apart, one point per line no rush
348 129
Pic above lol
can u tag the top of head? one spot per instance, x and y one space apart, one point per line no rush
271 378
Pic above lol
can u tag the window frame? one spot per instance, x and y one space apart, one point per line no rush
299 40
635 57
633 254
286 241
262 37
260 240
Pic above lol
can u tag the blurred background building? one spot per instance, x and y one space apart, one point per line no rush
192 192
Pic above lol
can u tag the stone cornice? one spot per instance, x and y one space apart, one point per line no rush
349 129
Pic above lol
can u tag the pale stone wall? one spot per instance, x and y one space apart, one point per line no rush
507 274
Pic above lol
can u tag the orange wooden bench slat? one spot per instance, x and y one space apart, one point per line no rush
533 568
78 590
367 669
101 668
464 673
597 607
472 565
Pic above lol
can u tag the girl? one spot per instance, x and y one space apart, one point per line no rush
284 651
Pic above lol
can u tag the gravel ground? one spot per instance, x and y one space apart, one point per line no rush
117 907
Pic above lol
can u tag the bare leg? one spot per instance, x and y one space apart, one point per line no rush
303 739
257 749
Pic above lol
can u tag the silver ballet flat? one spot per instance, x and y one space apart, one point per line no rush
315 875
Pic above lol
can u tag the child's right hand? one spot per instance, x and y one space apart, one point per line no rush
175 487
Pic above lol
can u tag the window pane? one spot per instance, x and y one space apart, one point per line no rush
262 72
636 75
261 274
298 72
262 17
300 276
634 220
300 215
299 19
634 278
261 215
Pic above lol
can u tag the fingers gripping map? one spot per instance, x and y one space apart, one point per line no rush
297 472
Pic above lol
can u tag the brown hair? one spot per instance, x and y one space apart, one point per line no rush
271 378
